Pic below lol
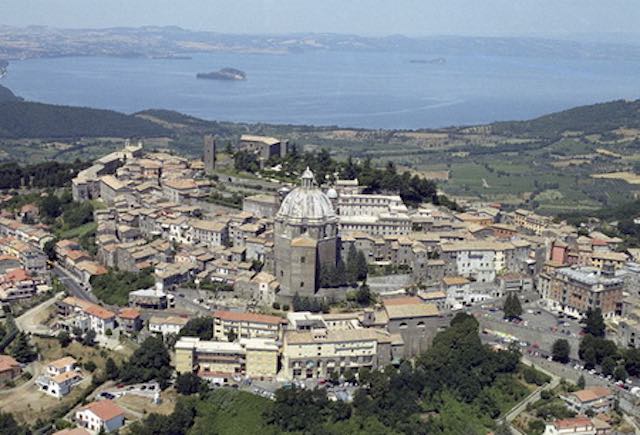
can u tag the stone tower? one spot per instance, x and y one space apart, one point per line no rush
209 156
306 238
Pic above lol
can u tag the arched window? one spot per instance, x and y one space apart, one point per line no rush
403 325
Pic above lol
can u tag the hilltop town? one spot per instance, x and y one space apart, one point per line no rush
269 271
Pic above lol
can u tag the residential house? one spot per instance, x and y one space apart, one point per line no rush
103 415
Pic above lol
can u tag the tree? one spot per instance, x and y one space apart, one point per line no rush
50 207
8 425
352 266
632 361
89 338
581 384
201 327
349 376
150 361
90 366
620 373
22 350
512 308
187 384
64 339
49 249
608 366
363 268
594 323
561 350
231 335
364 297
111 369
589 357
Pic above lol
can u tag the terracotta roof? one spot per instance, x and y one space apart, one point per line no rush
104 409
63 377
8 363
129 313
74 431
455 280
63 362
236 316
406 307
98 311
592 393
569 423
17 275
403 300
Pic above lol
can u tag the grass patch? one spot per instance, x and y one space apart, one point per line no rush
231 412
78 232
114 287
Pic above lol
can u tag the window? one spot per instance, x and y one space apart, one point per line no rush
303 260
301 284
403 325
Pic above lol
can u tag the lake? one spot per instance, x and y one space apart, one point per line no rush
355 89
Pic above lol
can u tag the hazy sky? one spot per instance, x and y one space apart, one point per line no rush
365 17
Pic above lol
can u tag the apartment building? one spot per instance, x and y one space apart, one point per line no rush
254 357
484 260
317 353
574 290
247 325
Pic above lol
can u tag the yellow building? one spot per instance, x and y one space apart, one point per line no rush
250 357
616 260
319 352
261 358
246 325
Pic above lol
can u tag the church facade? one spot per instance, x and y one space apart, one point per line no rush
305 238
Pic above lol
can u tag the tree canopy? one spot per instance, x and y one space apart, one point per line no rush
512 308
150 361
594 323
561 350
201 327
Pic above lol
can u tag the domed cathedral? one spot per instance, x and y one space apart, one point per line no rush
306 238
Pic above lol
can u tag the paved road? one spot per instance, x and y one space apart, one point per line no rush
73 287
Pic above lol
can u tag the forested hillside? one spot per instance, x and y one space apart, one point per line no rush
19 119
596 118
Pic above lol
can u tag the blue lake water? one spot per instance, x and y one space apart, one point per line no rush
357 89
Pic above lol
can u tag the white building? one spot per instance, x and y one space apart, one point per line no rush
166 325
573 426
101 415
61 375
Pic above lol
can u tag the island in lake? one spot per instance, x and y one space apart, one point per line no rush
436 61
224 74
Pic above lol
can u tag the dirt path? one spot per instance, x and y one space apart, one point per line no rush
30 321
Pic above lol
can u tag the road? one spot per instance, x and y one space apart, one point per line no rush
73 287
30 321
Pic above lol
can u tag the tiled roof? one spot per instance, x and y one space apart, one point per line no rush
8 363
592 393
63 362
236 316
104 409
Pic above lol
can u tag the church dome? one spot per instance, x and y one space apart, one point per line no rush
306 203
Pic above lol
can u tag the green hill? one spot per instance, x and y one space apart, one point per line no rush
21 119
596 118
